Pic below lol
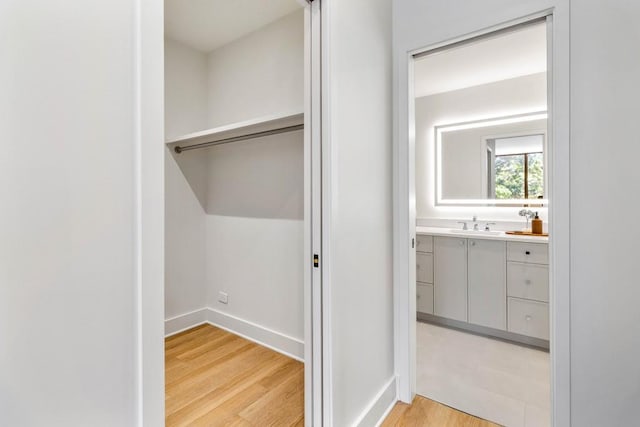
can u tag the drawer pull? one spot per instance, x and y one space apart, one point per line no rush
527 282
527 253
527 318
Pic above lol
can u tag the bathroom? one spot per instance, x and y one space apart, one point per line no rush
481 185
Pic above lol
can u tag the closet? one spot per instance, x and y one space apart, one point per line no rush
234 170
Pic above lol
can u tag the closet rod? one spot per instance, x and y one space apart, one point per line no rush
179 149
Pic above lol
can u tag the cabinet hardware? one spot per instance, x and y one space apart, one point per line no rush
527 253
316 261
413 243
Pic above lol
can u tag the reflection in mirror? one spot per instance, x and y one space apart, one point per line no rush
500 160
516 167
480 121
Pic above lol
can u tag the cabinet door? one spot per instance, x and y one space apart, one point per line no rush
529 318
424 268
487 283
450 277
424 297
424 243
537 253
528 281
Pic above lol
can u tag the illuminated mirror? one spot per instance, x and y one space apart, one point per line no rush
495 161
480 109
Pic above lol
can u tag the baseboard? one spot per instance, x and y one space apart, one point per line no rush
289 346
274 340
378 409
185 321
510 337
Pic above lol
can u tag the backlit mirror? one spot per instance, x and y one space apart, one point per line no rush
494 161
480 120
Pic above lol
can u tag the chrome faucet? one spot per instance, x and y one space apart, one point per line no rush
486 226
475 223
464 225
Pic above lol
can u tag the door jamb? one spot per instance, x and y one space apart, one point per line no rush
148 169
559 219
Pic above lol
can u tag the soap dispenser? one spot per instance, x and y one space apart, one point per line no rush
536 225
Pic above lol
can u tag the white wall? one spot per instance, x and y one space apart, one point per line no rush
185 237
258 178
186 98
504 98
605 146
255 231
235 211
258 263
258 75
186 107
68 307
360 212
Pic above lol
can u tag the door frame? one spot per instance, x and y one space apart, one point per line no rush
558 87
149 148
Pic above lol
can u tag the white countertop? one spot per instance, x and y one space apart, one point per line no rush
439 231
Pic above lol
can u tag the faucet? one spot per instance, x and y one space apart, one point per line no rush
475 223
486 226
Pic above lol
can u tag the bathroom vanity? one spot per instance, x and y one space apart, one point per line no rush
490 283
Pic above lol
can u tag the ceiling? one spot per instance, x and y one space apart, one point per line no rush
505 56
205 25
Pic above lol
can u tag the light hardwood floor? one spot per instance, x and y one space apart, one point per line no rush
215 378
426 413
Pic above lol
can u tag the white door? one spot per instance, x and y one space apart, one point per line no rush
487 283
313 377
450 277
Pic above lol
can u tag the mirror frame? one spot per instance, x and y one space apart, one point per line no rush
502 120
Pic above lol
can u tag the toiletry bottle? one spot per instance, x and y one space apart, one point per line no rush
536 225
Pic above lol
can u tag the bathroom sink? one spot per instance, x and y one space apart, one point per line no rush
476 232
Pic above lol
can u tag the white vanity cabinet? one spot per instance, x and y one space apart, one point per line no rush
494 286
470 281
487 287
450 277
528 289
424 274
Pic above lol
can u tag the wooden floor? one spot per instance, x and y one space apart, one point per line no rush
214 378
426 413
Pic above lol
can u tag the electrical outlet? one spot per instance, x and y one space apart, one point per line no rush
223 297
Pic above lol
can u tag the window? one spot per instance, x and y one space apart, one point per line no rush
519 167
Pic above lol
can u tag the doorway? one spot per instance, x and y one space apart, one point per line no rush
241 211
405 350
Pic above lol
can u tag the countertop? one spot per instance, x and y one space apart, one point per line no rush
439 231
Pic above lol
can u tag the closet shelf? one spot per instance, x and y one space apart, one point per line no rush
238 130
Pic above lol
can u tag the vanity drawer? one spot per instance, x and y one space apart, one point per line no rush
424 297
424 267
529 281
537 253
529 318
424 243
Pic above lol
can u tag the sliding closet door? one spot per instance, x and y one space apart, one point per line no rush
313 219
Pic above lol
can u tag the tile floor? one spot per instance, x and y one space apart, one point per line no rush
500 382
